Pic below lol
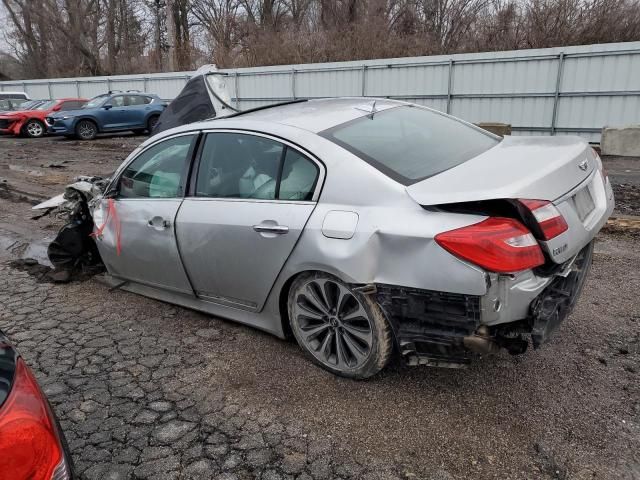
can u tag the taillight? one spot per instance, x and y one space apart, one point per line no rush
550 220
29 445
497 244
600 165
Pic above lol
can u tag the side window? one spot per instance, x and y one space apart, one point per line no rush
117 101
158 171
70 105
134 100
299 177
234 165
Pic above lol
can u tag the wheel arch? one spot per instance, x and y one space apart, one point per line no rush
21 125
90 119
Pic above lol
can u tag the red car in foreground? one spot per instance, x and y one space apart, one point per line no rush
31 122
32 446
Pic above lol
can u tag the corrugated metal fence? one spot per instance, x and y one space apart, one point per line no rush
564 90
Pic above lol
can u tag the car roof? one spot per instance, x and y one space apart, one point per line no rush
313 115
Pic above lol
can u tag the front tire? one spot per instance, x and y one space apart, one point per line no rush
342 331
34 129
86 130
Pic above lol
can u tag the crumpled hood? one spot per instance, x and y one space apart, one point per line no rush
542 168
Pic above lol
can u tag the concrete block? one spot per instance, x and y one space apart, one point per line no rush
501 129
621 141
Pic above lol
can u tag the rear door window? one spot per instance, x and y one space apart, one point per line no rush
238 165
410 143
136 100
234 165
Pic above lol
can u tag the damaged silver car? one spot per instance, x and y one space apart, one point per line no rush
361 227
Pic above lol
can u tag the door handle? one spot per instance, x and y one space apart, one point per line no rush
277 229
158 223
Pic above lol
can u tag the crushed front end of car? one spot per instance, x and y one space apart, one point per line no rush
74 248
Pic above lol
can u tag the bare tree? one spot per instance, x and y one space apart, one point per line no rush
90 37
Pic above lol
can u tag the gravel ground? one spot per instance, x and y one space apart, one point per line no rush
148 390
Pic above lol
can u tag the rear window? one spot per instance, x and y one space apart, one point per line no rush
410 143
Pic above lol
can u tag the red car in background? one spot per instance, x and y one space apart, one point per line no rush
31 122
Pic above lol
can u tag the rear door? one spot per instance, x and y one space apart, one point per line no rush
252 196
137 228
137 107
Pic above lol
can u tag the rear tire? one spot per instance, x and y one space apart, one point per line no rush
86 130
151 123
34 129
342 331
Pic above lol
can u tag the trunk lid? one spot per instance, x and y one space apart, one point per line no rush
562 170
540 168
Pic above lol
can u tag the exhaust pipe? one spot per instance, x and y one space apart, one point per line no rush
480 342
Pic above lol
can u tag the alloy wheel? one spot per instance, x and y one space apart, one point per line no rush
333 325
86 130
35 129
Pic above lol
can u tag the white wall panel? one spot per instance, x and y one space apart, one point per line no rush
516 87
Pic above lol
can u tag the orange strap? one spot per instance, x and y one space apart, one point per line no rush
111 214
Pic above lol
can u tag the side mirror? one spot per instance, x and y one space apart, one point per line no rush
57 108
111 193
107 106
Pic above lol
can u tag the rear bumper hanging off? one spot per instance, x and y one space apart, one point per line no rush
445 329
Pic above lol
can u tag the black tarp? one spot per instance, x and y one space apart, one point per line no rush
192 105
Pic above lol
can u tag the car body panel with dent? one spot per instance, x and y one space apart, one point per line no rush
111 112
31 121
459 240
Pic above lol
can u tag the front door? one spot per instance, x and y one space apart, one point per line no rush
136 229
253 196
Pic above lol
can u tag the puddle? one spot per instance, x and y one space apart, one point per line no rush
36 250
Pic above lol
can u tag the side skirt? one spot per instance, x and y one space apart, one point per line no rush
261 321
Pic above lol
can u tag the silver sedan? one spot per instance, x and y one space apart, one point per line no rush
363 228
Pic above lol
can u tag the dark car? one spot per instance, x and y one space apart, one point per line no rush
32 446
110 112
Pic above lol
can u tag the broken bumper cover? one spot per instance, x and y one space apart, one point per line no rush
447 329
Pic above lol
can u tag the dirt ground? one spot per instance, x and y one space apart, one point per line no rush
570 410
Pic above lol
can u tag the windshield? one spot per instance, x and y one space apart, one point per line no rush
95 101
410 143
46 105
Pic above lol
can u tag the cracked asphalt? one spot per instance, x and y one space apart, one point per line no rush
144 389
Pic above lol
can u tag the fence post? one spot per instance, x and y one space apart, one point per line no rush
77 88
293 83
145 84
556 96
236 89
449 85
49 90
363 87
